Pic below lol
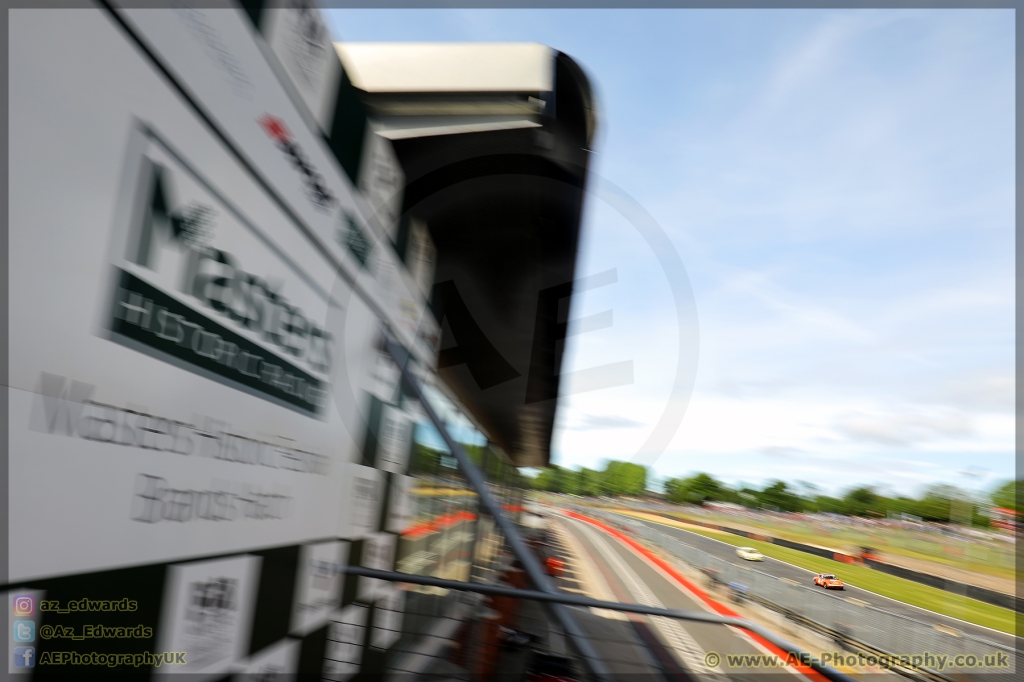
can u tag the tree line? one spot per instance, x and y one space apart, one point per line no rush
939 503
616 479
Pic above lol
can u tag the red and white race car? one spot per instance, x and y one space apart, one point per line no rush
828 581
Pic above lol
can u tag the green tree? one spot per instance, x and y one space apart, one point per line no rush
623 478
778 496
571 482
748 497
556 479
476 453
937 503
901 505
426 460
675 490
859 501
550 479
590 482
829 505
1010 495
707 488
697 490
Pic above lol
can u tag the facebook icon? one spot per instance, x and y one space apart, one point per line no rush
24 657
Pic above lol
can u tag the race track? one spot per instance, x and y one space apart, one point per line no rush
803 576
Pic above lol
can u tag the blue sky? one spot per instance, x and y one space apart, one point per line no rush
839 186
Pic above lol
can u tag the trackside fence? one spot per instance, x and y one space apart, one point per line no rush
497 633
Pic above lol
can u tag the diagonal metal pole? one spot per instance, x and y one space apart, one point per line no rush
531 564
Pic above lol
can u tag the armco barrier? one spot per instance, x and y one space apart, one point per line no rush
809 549
876 629
1007 601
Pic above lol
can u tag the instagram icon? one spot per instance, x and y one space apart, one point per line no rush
24 605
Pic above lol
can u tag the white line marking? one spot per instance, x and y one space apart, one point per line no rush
739 632
679 640
593 580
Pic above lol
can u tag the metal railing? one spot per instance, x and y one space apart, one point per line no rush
866 626
477 650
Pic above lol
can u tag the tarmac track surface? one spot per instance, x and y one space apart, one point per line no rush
632 578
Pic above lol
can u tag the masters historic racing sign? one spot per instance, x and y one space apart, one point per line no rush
182 295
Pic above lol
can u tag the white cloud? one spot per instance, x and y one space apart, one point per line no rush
905 428
598 421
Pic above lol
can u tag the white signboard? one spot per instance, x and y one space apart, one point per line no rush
318 584
364 494
296 33
170 363
387 618
399 293
195 283
381 182
283 148
421 255
279 661
395 440
401 511
378 553
384 377
207 613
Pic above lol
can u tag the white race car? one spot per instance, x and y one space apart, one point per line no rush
749 553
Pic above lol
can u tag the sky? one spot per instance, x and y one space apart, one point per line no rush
839 186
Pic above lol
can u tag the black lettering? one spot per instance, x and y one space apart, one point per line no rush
211 283
253 302
298 328
153 426
62 410
156 219
181 506
179 433
277 329
241 295
125 433
99 429
148 502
